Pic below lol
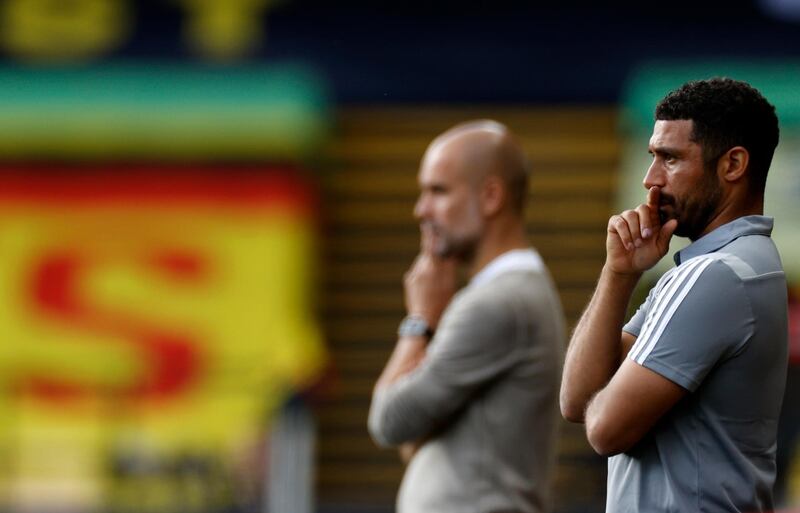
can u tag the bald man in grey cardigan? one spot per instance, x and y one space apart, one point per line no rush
470 392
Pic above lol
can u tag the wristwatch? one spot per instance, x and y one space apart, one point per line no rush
414 326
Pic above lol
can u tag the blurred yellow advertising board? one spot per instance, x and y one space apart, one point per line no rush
151 319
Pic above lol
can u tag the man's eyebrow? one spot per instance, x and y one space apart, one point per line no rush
663 150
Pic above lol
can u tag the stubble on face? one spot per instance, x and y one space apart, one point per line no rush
696 209
451 222
689 187
449 242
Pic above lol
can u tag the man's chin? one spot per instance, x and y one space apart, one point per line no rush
679 232
445 253
441 250
688 231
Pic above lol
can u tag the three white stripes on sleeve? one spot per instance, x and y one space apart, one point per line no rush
667 301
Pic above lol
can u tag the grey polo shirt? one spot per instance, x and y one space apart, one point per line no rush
717 326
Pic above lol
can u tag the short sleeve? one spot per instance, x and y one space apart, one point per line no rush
634 325
699 317
475 343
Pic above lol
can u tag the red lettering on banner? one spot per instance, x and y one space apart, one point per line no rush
173 360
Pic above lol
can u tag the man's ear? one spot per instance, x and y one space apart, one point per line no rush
732 165
493 195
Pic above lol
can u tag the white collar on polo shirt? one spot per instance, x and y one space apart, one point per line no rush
514 260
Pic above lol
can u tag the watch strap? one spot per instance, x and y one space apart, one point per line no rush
414 326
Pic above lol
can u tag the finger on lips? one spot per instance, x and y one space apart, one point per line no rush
633 226
653 197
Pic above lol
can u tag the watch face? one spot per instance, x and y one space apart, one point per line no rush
413 326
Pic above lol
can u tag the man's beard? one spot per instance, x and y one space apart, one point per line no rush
693 213
459 248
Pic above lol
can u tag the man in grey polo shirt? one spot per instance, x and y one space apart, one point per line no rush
686 400
476 409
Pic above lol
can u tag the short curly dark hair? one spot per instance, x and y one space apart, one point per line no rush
726 113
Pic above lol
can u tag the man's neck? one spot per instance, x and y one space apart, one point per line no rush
495 244
728 214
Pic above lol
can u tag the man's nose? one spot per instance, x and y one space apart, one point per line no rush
654 176
420 207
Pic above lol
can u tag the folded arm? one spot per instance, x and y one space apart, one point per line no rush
618 399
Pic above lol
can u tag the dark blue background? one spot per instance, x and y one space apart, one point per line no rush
495 51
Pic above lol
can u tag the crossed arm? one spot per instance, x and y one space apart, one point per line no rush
618 399
476 345
429 286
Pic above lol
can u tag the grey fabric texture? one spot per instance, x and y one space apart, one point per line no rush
717 326
485 399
